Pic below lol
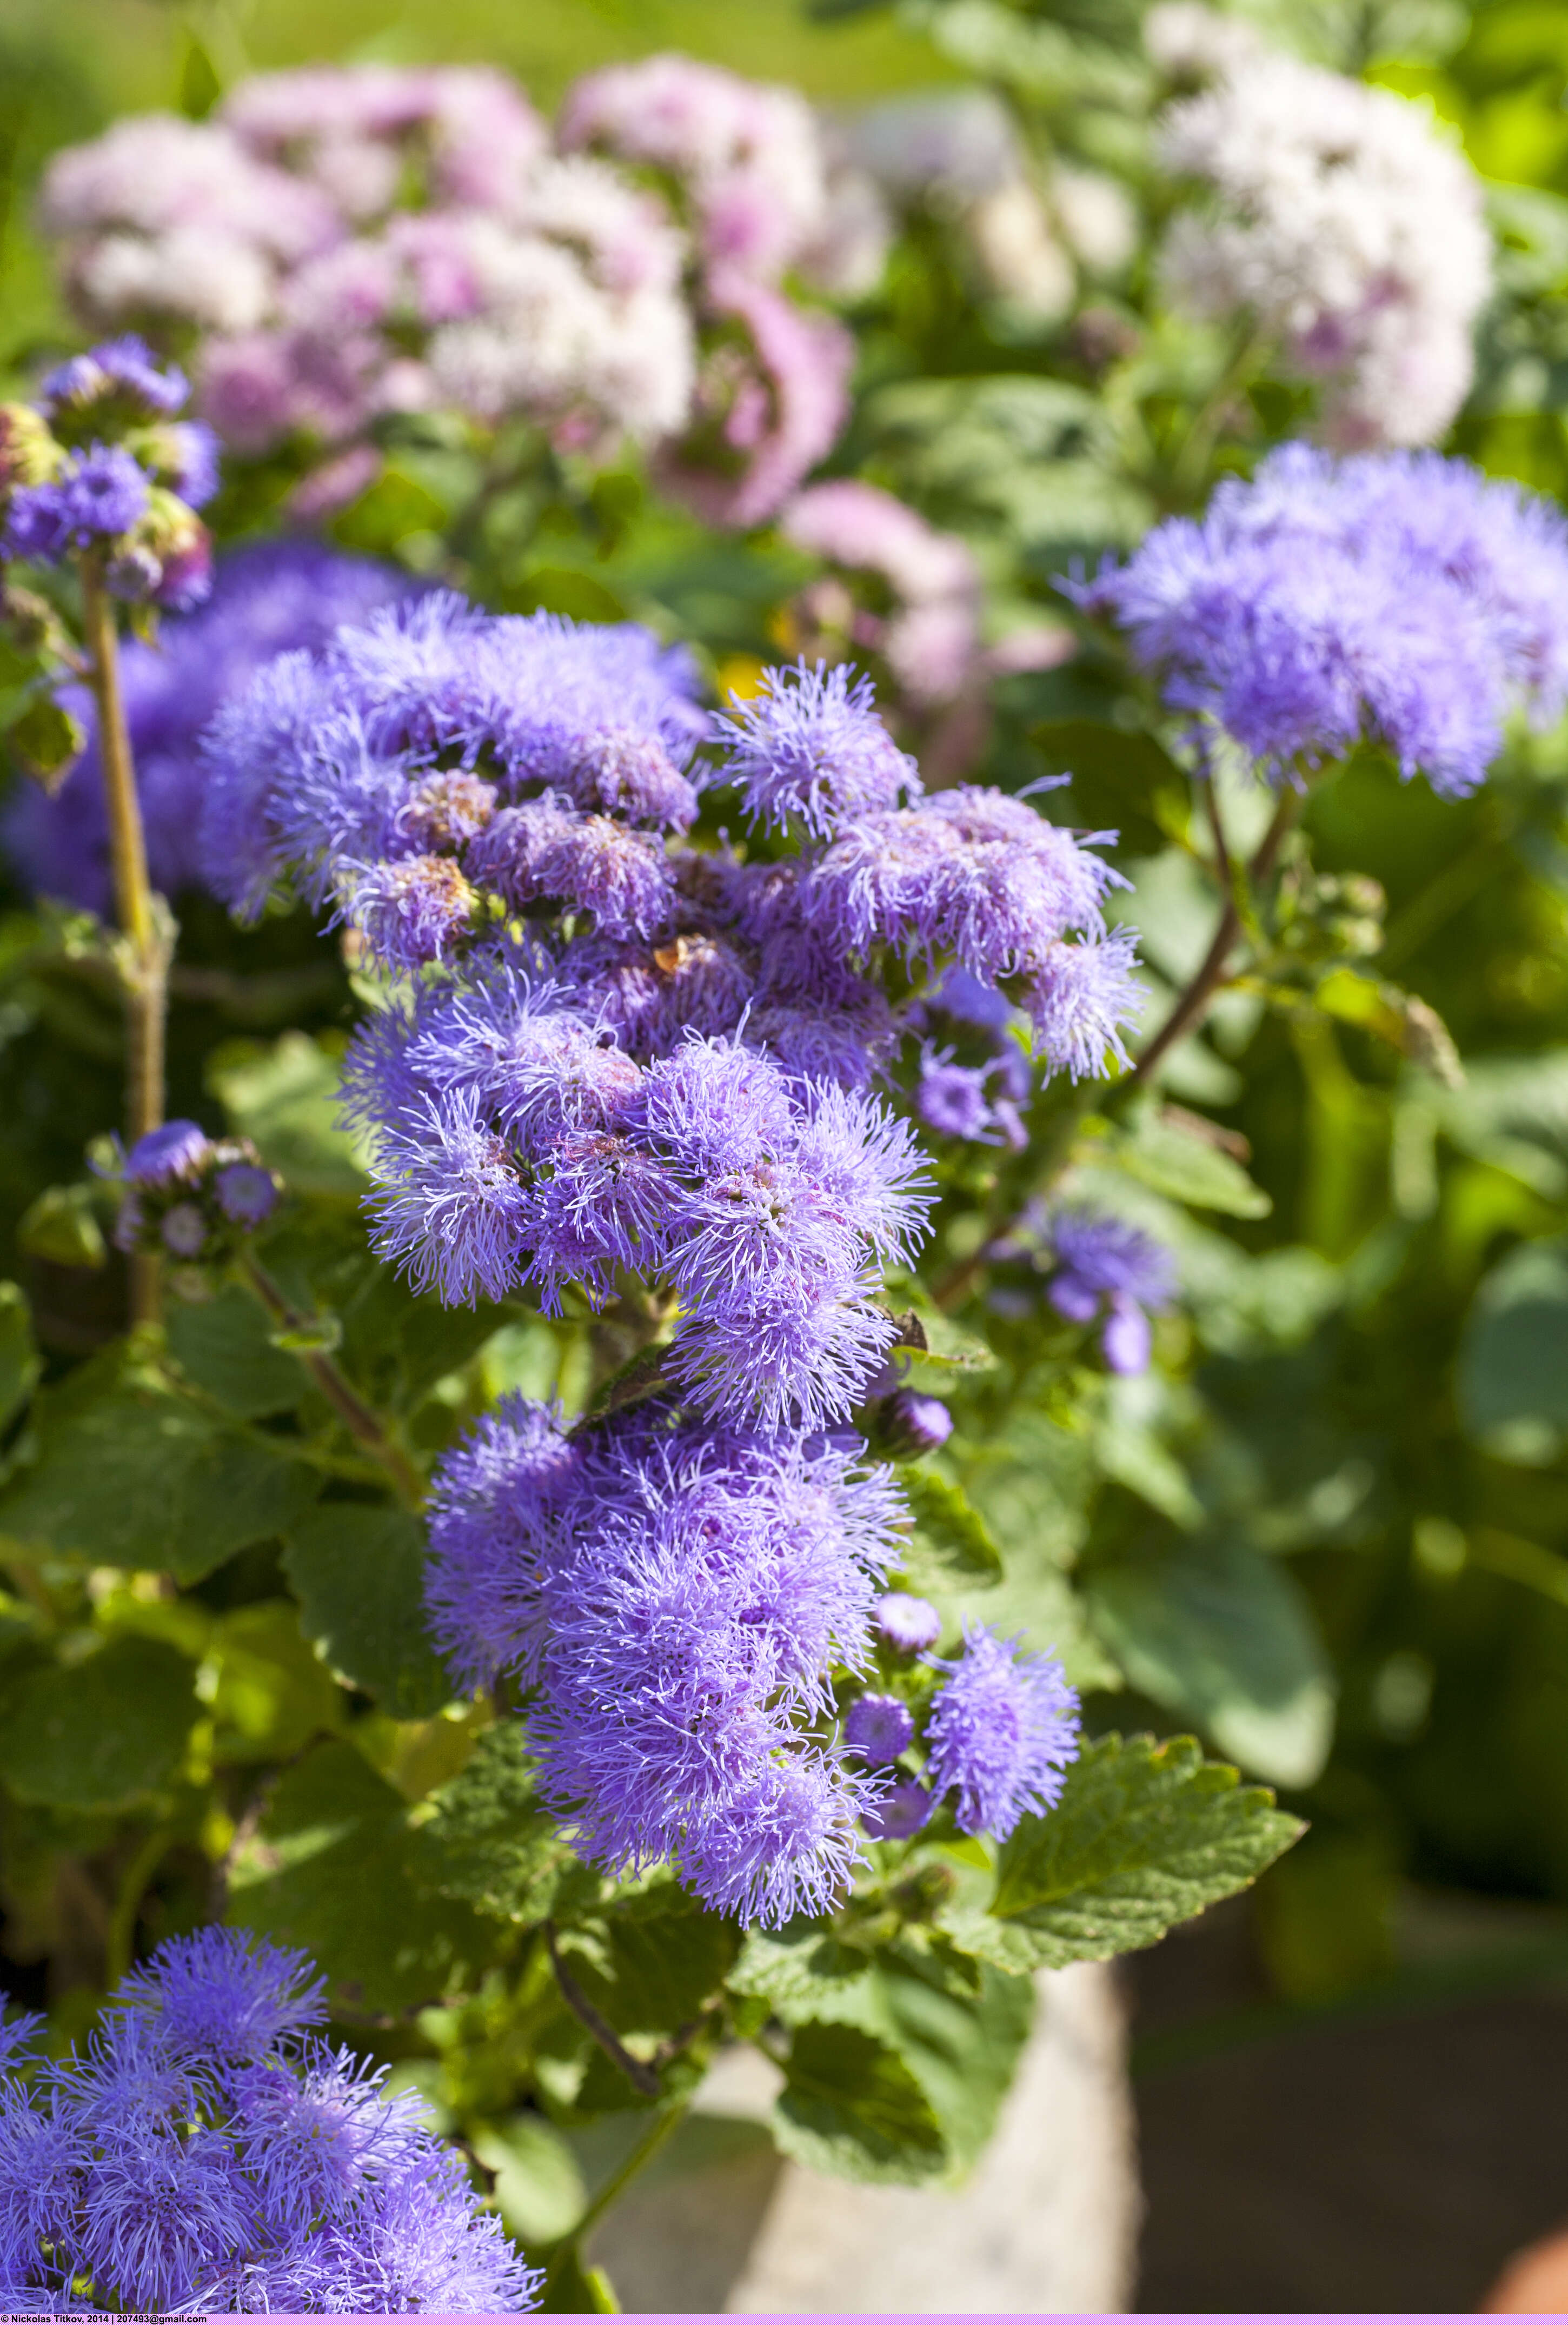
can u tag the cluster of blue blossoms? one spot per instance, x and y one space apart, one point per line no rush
612 1051
264 600
208 2151
101 463
613 1058
1397 597
675 1598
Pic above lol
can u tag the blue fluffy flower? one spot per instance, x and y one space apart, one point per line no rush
1398 596
1000 1732
208 2150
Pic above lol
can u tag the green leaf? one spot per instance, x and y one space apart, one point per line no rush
19 1365
285 1099
48 740
498 1849
60 1225
802 1969
102 1735
130 1472
335 1866
1174 1163
952 1546
225 1346
1220 1634
539 2187
573 2289
359 1572
961 2035
650 1961
1145 1835
1513 1360
851 2108
958 2026
269 1695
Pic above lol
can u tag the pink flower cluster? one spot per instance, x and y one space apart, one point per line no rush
745 168
341 244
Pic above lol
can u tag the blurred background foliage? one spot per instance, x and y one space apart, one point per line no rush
1331 1530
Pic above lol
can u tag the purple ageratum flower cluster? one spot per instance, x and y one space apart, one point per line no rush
616 1051
105 468
190 1197
1401 597
208 2150
1107 1267
277 595
349 243
676 1596
1000 1732
516 1145
332 764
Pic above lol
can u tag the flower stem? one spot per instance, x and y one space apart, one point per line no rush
147 929
668 2120
1193 1000
362 1422
133 1889
641 2076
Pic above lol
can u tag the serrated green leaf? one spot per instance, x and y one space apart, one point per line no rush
225 1346
952 1546
498 1848
1223 1635
850 2107
102 1735
128 1470
335 1867
285 1099
1145 1835
19 1364
358 1573
958 2026
1189 1170
797 1967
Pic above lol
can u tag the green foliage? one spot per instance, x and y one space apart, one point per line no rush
357 1573
952 1546
850 2107
1145 1835
100 1734
336 1864
124 1468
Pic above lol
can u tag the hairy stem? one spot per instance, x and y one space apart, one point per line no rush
144 920
362 1422
641 2077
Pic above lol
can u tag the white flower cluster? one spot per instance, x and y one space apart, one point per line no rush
1029 232
1342 218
